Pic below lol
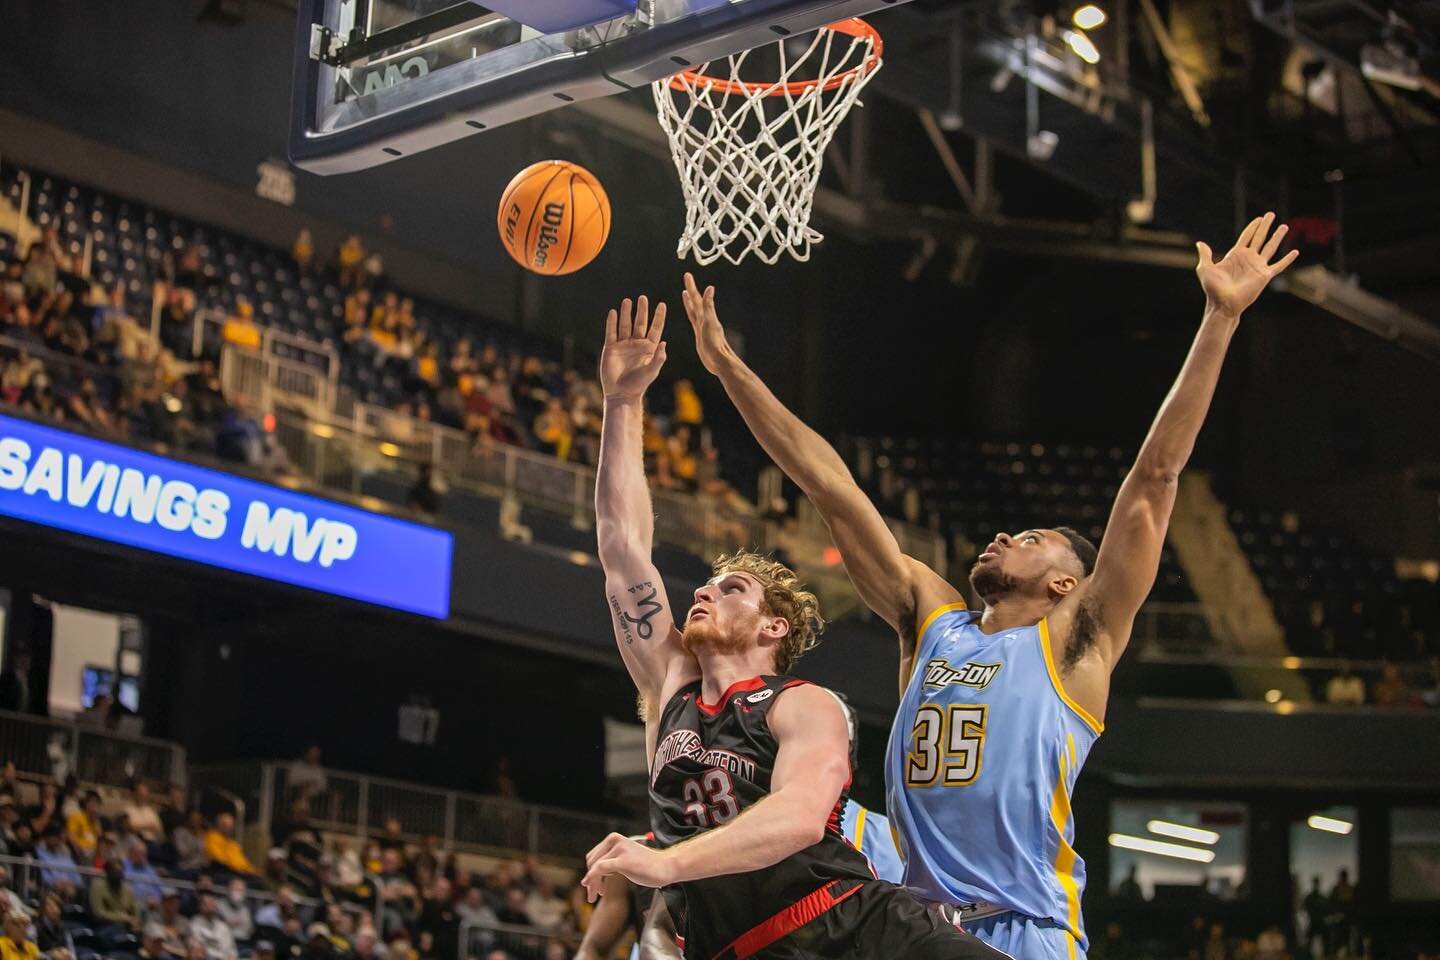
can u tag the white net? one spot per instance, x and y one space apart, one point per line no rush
749 155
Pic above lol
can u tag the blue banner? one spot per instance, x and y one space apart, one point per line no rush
114 493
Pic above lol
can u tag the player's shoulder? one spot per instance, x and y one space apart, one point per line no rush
799 702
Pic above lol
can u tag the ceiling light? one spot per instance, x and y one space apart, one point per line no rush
1160 848
389 449
1088 17
1330 824
1272 695
1082 46
1181 832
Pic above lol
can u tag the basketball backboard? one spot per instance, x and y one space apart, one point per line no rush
376 80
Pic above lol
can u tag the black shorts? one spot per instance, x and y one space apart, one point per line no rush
859 920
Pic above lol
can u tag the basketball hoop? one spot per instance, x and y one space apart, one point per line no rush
749 179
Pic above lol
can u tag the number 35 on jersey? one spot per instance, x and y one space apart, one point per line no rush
947 745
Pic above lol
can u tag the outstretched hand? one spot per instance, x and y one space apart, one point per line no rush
710 342
1237 280
633 352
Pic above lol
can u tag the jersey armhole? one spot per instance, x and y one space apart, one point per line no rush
1085 717
926 624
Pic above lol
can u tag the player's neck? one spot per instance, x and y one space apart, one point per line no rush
721 671
1009 612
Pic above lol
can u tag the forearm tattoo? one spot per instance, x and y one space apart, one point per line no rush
647 604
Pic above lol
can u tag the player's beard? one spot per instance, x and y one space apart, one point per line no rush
991 582
706 636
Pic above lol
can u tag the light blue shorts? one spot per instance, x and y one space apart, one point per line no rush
1025 938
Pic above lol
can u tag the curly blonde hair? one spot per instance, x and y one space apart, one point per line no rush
784 596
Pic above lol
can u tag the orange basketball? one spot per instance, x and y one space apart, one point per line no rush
554 217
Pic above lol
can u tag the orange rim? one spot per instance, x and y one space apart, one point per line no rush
853 27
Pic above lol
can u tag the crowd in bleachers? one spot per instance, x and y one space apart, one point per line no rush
127 878
72 352
421 361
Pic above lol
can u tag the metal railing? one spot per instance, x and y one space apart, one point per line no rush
480 939
360 805
263 374
46 747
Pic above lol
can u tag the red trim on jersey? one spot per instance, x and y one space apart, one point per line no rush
739 686
794 683
785 922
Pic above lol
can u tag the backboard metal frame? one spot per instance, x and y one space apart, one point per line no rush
538 73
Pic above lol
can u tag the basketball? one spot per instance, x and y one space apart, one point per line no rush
554 217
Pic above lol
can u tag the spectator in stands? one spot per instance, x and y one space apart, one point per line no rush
45 812
15 686
302 251
97 715
210 929
241 329
512 911
399 900
234 909
42 269
51 933
1345 688
440 919
9 900
543 907
9 819
222 849
176 811
121 836
16 944
276 916
82 827
57 865
172 925
1390 689
552 429
318 945
306 775
142 876
86 408
351 262
152 943
19 371
144 818
113 900
238 437
473 909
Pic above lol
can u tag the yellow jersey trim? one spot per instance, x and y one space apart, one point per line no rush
1065 854
1080 711
860 829
925 624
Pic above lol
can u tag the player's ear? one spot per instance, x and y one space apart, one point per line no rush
1062 584
774 628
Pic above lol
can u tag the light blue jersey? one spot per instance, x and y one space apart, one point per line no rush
870 833
982 759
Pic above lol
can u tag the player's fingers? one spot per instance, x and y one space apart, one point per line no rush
657 323
1207 257
1284 262
1269 249
601 849
710 299
690 286
642 316
1258 239
1246 234
626 323
612 326
658 357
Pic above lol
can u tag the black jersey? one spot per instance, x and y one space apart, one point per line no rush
711 763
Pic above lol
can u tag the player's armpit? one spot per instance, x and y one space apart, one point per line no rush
1128 561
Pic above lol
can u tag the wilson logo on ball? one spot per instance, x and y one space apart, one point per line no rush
549 232
554 217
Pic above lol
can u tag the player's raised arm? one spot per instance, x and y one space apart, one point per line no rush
812 767
1129 555
624 522
897 587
